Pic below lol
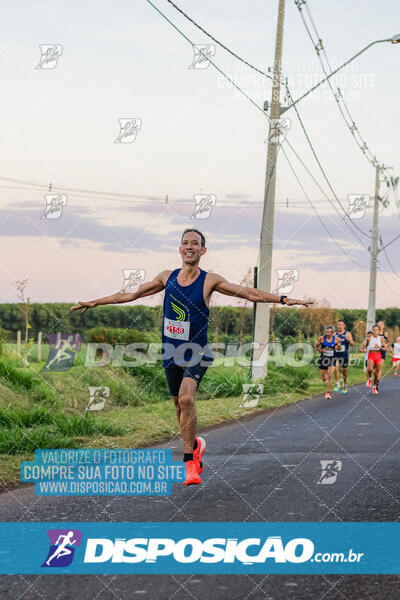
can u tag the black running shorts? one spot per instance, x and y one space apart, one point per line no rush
324 362
175 375
342 360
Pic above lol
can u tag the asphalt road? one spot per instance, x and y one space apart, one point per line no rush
262 469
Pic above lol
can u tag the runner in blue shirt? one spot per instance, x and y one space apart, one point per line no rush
327 345
342 355
186 354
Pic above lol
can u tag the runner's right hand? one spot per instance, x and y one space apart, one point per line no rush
83 306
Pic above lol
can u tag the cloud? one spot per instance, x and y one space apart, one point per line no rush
298 236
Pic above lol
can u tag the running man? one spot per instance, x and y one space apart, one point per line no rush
374 363
185 321
62 549
396 355
327 345
342 355
64 348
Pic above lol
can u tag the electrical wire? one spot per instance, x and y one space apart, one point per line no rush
298 116
211 61
317 215
321 189
220 43
389 262
103 194
338 95
391 241
288 203
347 216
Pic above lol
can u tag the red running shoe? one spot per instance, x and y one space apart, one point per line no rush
198 453
375 390
192 474
369 382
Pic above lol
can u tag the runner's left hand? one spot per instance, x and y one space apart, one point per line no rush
293 302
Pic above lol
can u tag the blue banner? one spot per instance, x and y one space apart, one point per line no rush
209 548
102 472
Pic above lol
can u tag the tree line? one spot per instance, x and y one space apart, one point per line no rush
227 323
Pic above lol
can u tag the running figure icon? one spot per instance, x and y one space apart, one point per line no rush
62 549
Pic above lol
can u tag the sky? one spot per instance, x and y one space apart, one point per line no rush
198 135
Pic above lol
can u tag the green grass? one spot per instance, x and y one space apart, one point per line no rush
40 410
221 382
23 430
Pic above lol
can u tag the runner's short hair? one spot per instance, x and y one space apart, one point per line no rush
329 327
373 326
203 239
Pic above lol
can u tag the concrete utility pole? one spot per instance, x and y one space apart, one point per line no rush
374 254
261 329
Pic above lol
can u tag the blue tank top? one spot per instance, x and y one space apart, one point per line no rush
185 323
330 345
343 343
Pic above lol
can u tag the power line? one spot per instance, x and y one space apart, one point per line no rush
325 175
145 200
391 241
321 189
317 215
30 185
220 43
352 127
209 59
137 199
106 195
298 116
338 95
252 66
388 260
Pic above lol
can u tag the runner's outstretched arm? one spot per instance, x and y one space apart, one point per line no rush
253 294
145 289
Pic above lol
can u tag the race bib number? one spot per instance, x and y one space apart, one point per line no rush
328 352
179 330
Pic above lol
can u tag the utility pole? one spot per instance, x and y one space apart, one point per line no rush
261 329
374 254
